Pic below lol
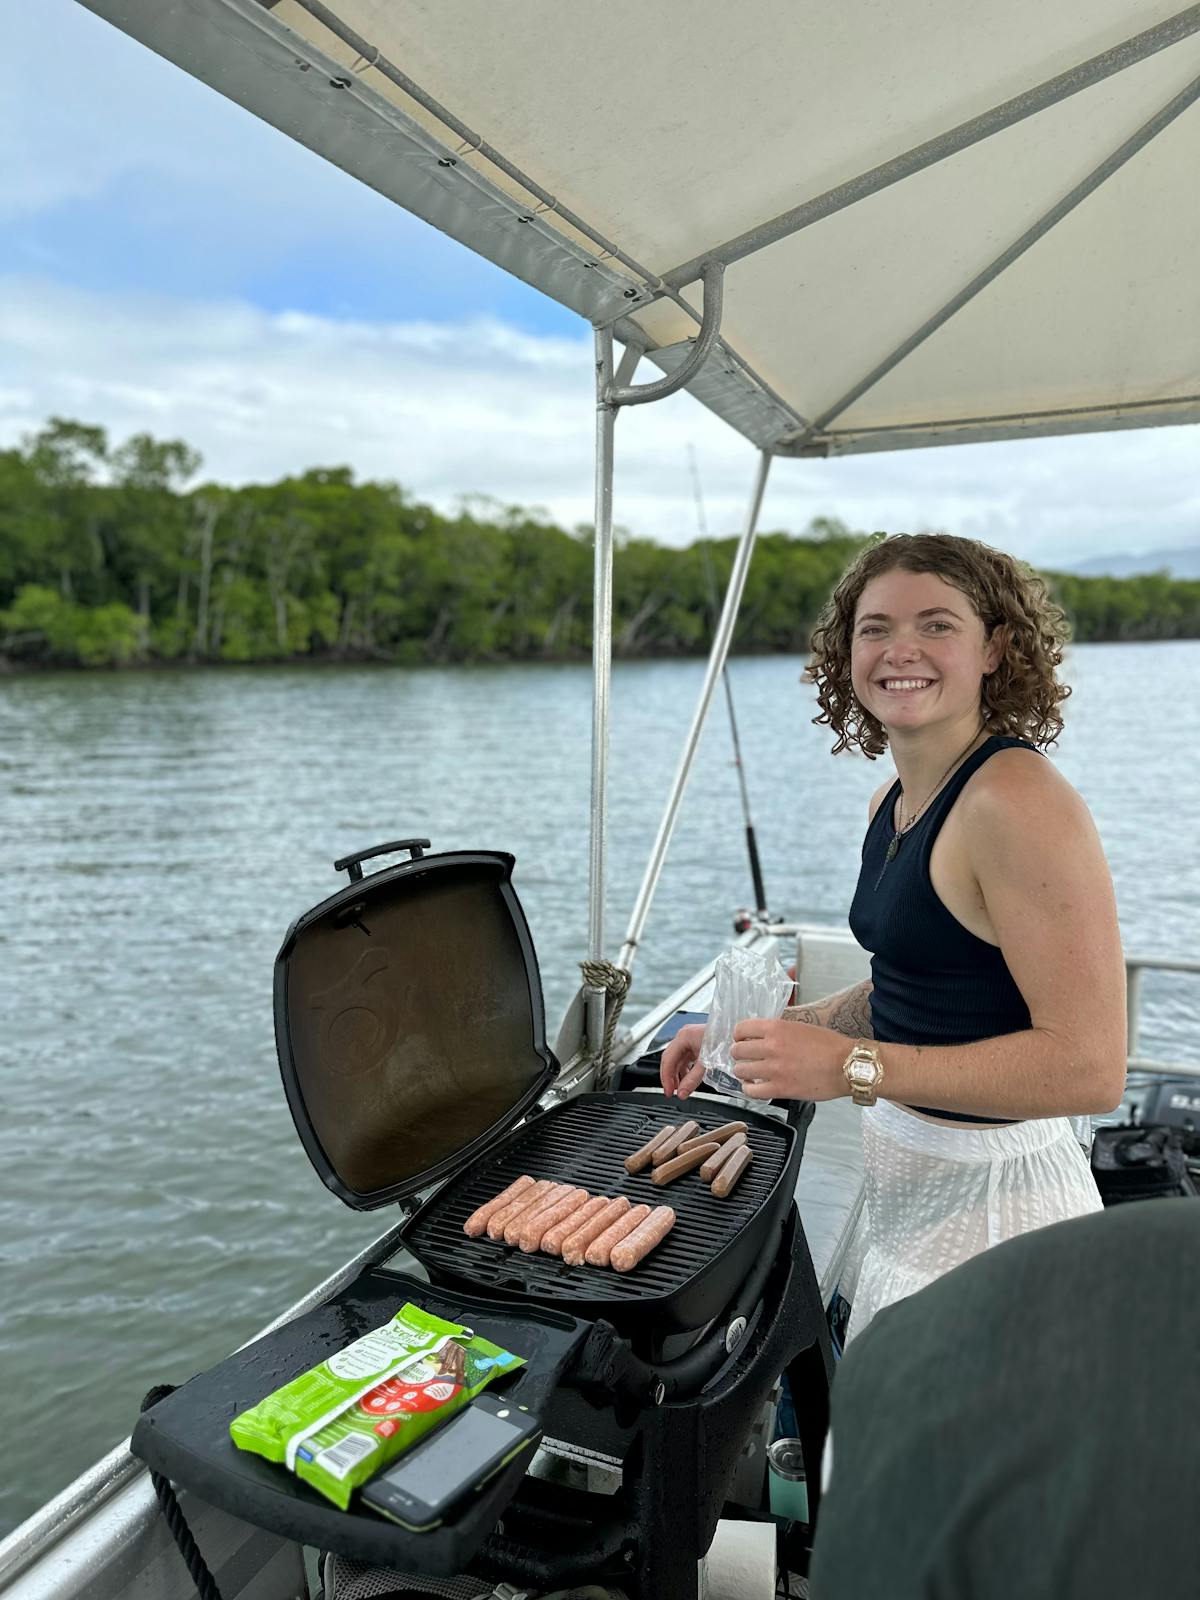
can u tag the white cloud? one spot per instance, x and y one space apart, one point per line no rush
478 407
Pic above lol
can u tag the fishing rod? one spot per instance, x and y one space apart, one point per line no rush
760 893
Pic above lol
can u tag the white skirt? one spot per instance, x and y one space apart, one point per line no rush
936 1195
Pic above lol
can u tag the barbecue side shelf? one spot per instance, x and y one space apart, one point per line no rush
185 1436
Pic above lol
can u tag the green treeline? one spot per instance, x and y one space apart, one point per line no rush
106 559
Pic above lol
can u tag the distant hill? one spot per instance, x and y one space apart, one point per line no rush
1183 562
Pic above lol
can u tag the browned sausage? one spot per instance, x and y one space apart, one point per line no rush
477 1222
670 1170
512 1228
720 1156
732 1171
499 1220
533 1231
669 1146
638 1245
717 1136
554 1238
640 1159
599 1252
575 1244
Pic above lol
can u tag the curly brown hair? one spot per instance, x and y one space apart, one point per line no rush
1020 699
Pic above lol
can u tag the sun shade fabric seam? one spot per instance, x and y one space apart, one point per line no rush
1046 222
943 145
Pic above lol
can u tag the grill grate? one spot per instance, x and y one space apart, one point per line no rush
585 1142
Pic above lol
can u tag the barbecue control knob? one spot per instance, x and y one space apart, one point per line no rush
734 1334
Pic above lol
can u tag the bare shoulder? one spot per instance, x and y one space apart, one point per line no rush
877 799
1021 788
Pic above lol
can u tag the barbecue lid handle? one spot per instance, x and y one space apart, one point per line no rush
353 864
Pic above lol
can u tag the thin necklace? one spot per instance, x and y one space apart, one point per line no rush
894 846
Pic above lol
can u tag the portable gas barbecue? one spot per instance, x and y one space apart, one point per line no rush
408 1070
684 1282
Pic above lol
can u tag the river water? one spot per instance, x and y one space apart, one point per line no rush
161 830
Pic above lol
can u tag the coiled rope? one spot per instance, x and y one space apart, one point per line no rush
615 983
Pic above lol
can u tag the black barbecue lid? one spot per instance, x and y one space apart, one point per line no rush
409 1021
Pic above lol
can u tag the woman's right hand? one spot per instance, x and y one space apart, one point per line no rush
680 1071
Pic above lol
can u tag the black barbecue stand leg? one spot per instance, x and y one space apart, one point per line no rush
690 1449
810 1370
809 1375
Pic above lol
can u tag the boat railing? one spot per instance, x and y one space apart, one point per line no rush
84 1499
1135 966
798 933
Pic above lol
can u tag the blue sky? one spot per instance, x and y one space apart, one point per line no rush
179 190
169 263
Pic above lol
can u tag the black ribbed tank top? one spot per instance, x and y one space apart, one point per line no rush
934 981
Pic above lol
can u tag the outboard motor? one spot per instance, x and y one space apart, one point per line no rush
1174 1104
1156 1153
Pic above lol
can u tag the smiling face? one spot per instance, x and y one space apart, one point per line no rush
919 652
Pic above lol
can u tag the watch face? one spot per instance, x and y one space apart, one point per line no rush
863 1072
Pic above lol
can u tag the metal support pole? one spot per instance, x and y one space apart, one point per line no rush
628 364
606 417
716 661
1133 1005
630 394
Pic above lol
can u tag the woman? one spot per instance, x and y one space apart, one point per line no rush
996 1005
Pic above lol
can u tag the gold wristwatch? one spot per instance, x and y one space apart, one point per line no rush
863 1071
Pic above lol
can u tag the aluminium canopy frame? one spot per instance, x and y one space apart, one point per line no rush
301 66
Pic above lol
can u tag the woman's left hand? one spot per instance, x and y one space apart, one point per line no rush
776 1060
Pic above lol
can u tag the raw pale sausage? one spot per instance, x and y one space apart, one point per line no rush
554 1238
669 1146
732 1171
477 1222
512 1228
599 1252
717 1136
638 1245
575 1244
641 1159
533 1231
670 1170
499 1220
720 1156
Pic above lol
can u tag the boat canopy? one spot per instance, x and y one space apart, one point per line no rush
920 225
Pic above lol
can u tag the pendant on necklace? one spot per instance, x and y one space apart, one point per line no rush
889 855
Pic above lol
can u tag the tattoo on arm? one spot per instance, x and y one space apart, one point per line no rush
807 1014
851 1014
848 1012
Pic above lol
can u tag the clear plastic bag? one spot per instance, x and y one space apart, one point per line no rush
748 984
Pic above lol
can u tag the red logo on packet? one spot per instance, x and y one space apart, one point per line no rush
395 1395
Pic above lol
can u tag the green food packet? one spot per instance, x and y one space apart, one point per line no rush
345 1420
